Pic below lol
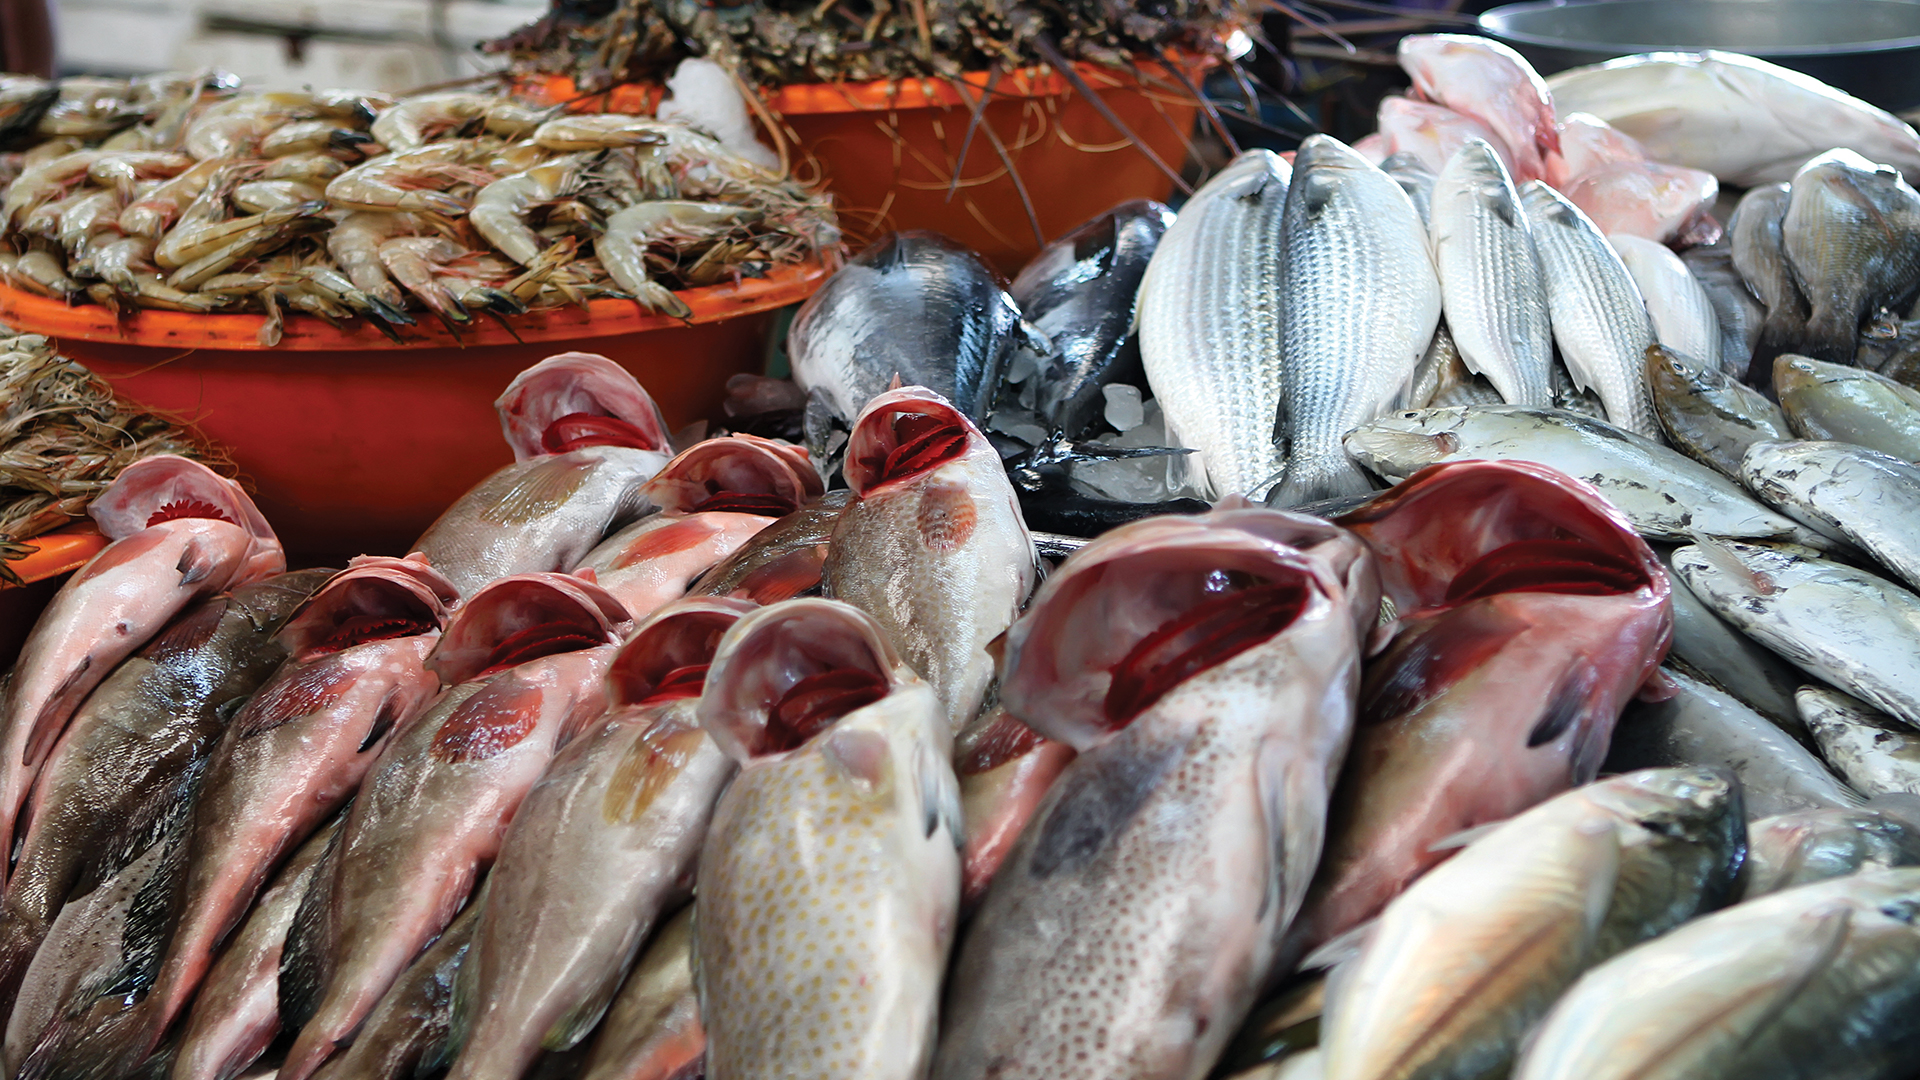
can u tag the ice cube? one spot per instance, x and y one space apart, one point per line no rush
1124 410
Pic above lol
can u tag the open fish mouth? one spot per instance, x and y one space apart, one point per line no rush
1532 529
741 474
523 618
784 674
903 434
377 597
576 400
669 656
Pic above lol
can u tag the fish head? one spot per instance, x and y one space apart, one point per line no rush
1462 530
522 618
1155 602
167 487
905 434
785 673
668 656
1698 809
1399 444
374 598
576 400
741 473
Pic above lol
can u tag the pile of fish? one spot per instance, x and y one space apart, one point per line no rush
176 192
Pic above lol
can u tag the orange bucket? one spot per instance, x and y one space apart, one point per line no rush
62 551
353 444
887 150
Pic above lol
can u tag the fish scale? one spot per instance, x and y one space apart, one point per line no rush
1362 304
1599 320
1210 326
1490 278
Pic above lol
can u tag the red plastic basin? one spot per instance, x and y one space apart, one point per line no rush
887 149
352 444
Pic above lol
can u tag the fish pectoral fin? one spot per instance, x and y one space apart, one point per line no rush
1464 837
1340 948
579 1021
196 563
939 795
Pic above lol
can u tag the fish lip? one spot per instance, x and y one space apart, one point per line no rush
485 620
409 582
680 486
871 432
657 647
1057 682
573 382
769 650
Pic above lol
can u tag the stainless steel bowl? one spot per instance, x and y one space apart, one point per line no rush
1869 48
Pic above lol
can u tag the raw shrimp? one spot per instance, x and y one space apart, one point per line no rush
186 244
259 196
622 248
122 170
602 131
407 180
310 168
415 120
338 287
499 211
415 261
310 136
44 183
90 108
50 150
354 245
93 213
44 220
151 213
235 127
264 233
41 272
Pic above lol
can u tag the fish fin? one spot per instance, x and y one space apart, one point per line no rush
63 703
187 632
579 1021
1566 705
539 491
296 691
303 957
392 708
1340 948
196 563
1420 663
1464 837
1658 687
939 795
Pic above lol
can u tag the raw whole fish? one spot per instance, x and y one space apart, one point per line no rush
1739 312
652 1030
1204 669
601 846
179 532
913 306
1757 232
1431 133
1491 284
1816 845
846 809
585 438
1665 203
1852 239
783 560
1845 404
1705 647
1210 326
409 1033
1876 753
525 659
1079 292
1530 614
1864 497
1744 120
1684 322
933 545
1362 302
1709 415
1490 82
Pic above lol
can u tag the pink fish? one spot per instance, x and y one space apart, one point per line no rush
1005 768
713 498
1493 84
1531 612
603 845
526 659
179 532
1588 143
1664 203
1432 133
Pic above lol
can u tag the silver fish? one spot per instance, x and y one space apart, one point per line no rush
1852 238
1130 928
1710 416
1705 647
1465 961
1848 404
1841 625
1491 284
1702 726
1806 846
1688 498
1864 497
1362 301
1757 232
1210 326
1734 305
1876 753
1762 990
1415 179
1682 314
1599 319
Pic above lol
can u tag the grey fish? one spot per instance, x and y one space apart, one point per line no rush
1439 371
1757 233
652 1030
1709 415
1491 283
1688 498
1876 753
1702 726
1210 326
1841 625
1867 498
410 1032
1762 990
914 305
1734 305
1852 238
1805 846
1847 404
1463 963
1079 292
1599 319
1414 178
1362 301
1705 647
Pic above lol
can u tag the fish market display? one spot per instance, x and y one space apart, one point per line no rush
441 205
1862 496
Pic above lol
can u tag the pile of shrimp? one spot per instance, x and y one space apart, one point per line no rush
346 205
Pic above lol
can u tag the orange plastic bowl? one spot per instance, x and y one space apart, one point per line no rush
353 444
62 551
887 149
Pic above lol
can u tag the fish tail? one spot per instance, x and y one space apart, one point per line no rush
1832 334
1314 479
89 1046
